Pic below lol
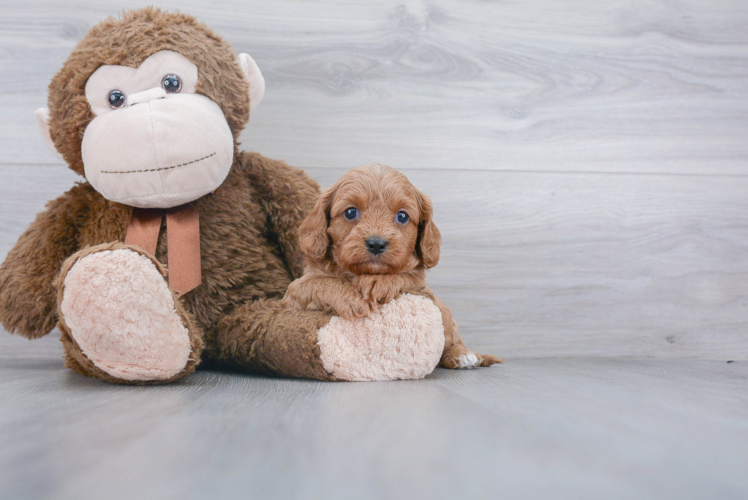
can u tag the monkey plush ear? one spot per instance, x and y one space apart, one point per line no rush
42 121
254 78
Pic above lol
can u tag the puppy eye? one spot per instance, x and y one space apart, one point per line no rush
402 218
350 213
171 83
116 99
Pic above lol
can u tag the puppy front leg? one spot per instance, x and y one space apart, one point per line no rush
300 293
327 294
382 288
344 299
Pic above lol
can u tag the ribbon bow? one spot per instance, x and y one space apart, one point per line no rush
182 241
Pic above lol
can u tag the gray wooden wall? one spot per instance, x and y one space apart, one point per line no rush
587 158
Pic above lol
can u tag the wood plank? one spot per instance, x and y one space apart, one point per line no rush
622 86
537 264
615 429
588 264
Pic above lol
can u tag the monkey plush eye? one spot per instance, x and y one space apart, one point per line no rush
116 99
350 213
171 83
402 218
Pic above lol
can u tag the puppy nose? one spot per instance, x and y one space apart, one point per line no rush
376 245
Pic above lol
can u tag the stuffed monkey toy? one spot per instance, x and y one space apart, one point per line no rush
178 247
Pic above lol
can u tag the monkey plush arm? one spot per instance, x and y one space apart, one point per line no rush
287 194
28 297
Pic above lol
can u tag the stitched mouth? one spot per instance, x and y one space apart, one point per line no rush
156 169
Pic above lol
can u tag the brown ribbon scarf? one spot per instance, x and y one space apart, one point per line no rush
182 241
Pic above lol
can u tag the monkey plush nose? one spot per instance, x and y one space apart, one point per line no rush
375 245
145 96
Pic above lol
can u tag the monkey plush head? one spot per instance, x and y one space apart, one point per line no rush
149 106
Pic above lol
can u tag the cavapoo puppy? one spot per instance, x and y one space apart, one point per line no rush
370 238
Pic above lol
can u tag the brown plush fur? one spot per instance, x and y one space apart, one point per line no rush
342 276
248 229
247 254
267 336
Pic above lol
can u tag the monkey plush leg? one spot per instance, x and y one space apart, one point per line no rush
119 320
271 337
403 340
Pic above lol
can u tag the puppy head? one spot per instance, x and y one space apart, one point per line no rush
372 221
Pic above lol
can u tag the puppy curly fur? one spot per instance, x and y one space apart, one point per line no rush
343 275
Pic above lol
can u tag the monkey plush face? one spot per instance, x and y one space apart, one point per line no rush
154 142
150 106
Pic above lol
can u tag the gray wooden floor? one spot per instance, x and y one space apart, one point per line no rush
543 428
588 164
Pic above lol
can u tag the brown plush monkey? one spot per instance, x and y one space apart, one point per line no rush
148 108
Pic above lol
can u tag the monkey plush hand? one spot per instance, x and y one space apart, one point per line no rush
177 246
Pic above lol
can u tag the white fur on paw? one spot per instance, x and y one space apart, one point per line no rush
467 361
403 340
121 313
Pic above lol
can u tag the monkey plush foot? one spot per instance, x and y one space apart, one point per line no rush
119 319
403 340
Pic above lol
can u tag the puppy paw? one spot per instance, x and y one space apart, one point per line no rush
466 360
356 308
380 289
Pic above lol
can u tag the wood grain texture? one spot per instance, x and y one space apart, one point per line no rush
587 160
614 429
587 163
620 85
539 264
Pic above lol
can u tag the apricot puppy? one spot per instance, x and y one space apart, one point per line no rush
370 238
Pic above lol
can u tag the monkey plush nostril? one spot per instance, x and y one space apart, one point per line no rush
376 245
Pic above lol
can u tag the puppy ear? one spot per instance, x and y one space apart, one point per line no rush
313 238
429 237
